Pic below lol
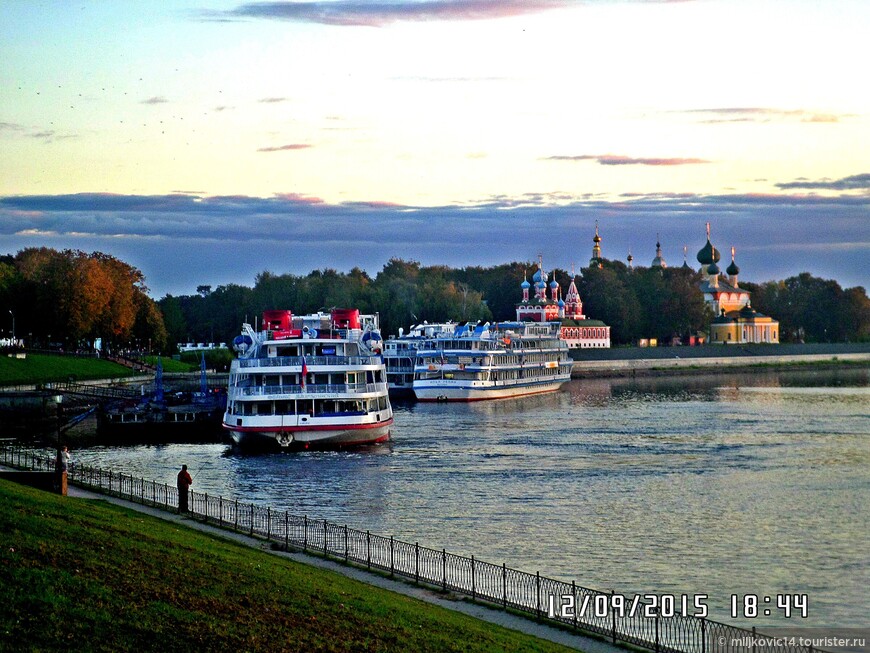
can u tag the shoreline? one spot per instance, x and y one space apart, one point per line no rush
678 367
712 359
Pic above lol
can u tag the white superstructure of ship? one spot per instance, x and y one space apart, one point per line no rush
492 361
400 354
309 381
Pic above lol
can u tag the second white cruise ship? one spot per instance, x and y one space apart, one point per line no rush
485 361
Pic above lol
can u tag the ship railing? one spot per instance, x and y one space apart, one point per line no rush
296 361
295 389
647 621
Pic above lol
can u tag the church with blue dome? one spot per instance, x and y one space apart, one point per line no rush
547 305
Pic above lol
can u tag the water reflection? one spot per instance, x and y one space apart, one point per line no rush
751 483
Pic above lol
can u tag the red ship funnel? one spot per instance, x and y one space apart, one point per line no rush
345 318
277 320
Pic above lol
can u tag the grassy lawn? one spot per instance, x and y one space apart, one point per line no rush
86 575
42 368
171 366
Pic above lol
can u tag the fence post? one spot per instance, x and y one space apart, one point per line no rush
142 490
166 496
221 511
657 631
268 523
444 569
416 562
305 533
252 519
325 538
345 543
753 639
286 530
538 594
391 556
576 602
703 635
504 585
368 549
473 587
613 611
236 516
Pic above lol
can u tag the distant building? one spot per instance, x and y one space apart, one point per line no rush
200 346
659 260
596 260
736 322
577 330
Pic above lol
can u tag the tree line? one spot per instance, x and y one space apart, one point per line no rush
70 297
67 299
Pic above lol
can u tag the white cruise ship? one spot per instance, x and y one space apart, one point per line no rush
311 381
485 361
400 355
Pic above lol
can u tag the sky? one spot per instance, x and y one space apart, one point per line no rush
206 142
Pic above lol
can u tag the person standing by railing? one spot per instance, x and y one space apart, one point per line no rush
184 483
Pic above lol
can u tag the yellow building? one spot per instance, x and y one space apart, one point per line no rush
742 327
736 322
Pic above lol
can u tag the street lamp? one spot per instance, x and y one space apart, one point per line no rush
13 326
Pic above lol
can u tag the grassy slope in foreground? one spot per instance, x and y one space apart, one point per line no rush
43 368
88 575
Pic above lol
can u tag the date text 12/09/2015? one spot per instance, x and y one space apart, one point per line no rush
600 606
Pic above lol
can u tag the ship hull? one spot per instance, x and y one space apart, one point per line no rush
311 437
446 392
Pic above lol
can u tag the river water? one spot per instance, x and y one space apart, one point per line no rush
719 485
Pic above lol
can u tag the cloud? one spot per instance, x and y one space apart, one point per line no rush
764 114
379 13
282 148
156 99
853 182
235 237
272 100
11 127
621 160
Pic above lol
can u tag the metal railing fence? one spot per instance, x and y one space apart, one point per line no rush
642 621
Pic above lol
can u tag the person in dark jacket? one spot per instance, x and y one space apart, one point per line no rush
184 483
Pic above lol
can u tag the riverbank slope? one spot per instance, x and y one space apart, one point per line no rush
91 575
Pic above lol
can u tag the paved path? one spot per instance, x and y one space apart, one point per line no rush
449 601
